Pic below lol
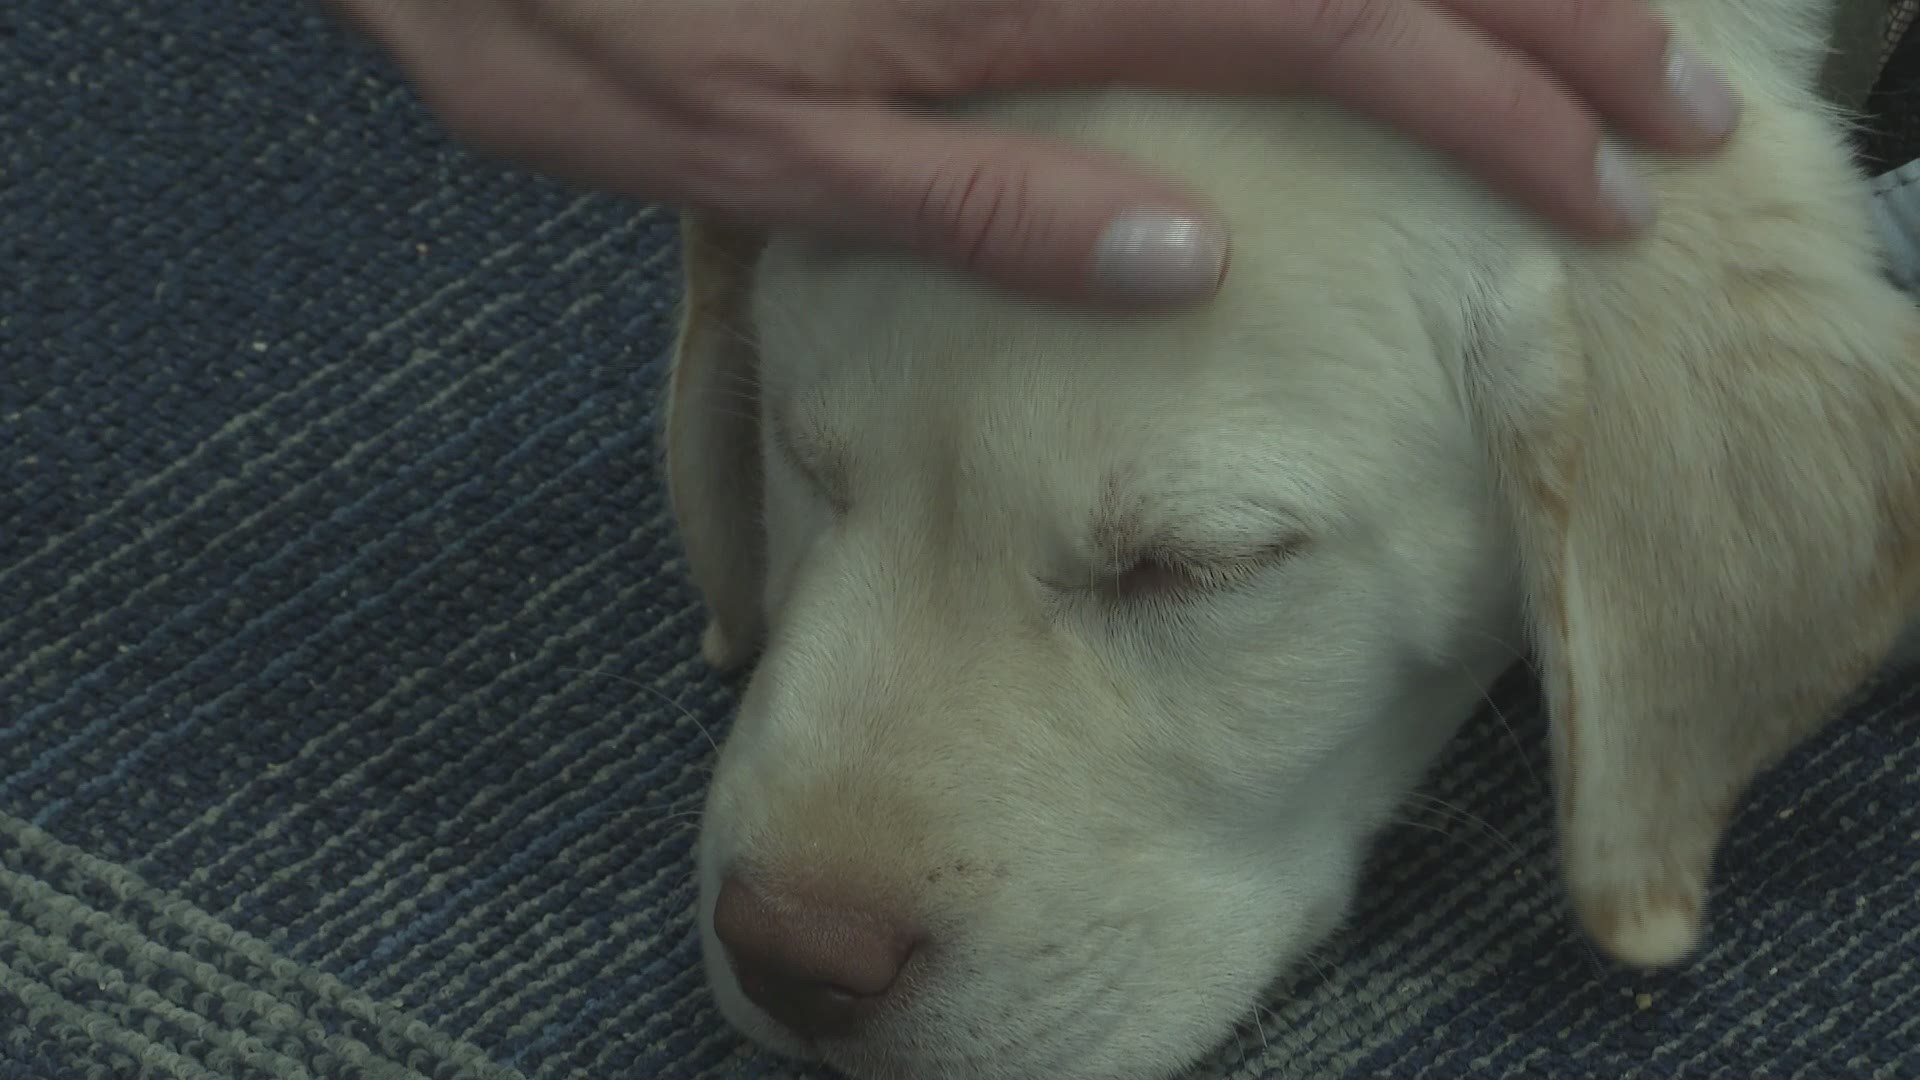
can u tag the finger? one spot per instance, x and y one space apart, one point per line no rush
507 89
1040 218
687 51
1620 58
1416 66
1490 109
479 70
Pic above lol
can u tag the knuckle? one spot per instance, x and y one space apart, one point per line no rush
1543 145
990 19
1346 22
979 210
1580 18
745 163
743 174
1340 26
967 44
1533 125
1623 29
705 64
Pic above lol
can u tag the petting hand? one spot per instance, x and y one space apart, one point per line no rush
785 112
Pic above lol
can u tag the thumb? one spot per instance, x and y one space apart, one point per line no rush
1048 220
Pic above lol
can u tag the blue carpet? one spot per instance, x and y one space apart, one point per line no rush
350 715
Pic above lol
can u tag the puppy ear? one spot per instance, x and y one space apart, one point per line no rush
1715 486
713 436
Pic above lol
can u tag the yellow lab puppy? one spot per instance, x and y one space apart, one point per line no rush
1092 651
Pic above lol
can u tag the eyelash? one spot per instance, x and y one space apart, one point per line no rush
1161 577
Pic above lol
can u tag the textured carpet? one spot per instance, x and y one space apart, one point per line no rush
350 717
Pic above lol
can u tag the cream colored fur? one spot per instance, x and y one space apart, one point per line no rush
1418 433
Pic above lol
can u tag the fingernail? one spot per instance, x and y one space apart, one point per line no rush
1700 94
1157 258
1623 190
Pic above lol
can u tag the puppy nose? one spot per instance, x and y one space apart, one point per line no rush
818 968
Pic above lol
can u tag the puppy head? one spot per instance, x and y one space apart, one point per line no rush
1094 652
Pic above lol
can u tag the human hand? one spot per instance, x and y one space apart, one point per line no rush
775 112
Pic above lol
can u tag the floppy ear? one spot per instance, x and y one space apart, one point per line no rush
713 437
1714 479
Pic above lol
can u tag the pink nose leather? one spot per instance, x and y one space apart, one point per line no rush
818 968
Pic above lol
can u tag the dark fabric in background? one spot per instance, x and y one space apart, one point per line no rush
1889 135
350 714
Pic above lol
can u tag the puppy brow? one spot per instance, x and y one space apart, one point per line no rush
1117 531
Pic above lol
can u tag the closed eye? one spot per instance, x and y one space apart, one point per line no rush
1176 573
